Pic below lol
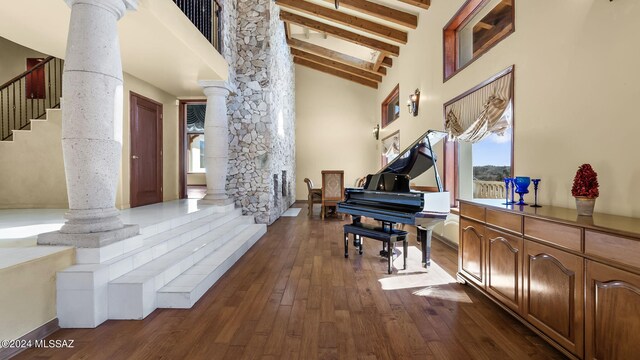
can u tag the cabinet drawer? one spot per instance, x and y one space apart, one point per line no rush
611 247
472 211
505 220
569 237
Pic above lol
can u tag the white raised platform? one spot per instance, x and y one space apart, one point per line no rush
182 250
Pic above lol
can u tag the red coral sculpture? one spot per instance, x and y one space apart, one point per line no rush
586 182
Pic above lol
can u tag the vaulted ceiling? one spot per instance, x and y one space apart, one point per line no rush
357 41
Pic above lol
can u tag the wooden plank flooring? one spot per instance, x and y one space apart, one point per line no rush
295 296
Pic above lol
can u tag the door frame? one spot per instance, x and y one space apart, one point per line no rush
182 147
133 99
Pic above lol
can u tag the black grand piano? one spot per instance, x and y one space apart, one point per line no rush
386 195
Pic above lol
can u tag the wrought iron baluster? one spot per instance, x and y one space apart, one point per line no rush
13 105
2 113
20 104
47 94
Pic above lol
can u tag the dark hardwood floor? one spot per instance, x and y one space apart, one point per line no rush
295 296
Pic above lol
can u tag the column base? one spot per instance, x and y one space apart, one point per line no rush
90 240
91 221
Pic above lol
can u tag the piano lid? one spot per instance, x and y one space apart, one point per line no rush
416 159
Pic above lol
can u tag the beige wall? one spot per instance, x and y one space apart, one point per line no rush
334 119
32 165
32 168
196 179
13 59
28 296
576 86
169 139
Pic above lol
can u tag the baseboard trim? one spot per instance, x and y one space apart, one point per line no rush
37 334
445 241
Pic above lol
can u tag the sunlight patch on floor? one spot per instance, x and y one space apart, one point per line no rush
433 282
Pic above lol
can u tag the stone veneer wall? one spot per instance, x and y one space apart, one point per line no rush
261 112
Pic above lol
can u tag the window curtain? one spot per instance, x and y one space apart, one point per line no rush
195 118
481 113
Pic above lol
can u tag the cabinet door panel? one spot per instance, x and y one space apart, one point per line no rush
504 267
553 295
471 250
613 305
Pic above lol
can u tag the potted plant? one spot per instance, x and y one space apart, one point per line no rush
585 189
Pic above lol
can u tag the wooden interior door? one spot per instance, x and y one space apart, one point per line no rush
146 151
35 86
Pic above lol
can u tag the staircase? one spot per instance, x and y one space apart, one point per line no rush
29 95
170 265
31 164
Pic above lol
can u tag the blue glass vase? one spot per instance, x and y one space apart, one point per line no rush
522 187
507 181
536 182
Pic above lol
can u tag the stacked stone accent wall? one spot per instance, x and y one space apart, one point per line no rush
261 112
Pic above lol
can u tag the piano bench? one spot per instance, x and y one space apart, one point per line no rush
376 233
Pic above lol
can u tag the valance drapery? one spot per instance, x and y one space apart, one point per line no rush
481 112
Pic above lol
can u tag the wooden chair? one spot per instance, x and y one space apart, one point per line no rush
332 189
314 196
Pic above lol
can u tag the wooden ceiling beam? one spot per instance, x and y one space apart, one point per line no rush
423 4
382 12
336 65
287 29
378 63
335 72
334 55
387 62
341 33
345 19
483 25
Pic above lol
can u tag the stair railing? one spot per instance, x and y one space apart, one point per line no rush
29 95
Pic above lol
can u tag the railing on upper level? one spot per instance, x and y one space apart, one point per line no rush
206 15
488 189
29 95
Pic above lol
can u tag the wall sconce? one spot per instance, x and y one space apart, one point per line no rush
414 102
376 131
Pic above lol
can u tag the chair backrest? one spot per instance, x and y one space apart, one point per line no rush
309 184
332 185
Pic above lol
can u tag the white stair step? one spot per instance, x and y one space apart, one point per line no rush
132 296
186 289
157 245
119 250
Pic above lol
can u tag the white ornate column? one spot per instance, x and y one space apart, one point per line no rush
92 125
216 137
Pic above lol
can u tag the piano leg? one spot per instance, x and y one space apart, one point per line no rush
405 249
346 245
424 237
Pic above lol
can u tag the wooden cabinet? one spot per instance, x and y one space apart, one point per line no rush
553 294
472 211
504 267
612 313
504 220
471 255
574 280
